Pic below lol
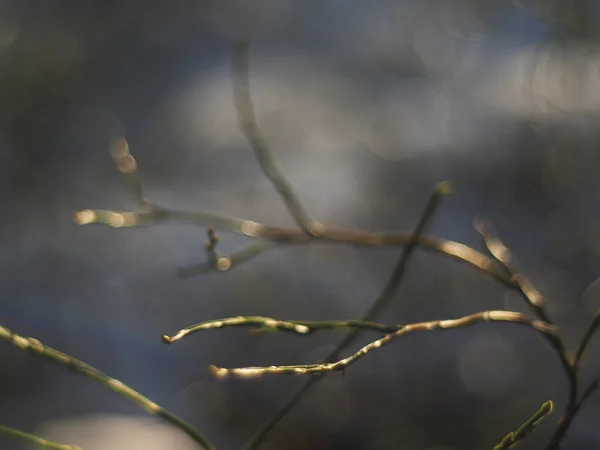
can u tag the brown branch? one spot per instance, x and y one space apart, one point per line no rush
256 139
293 236
547 330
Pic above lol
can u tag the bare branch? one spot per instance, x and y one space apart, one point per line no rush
294 326
227 262
38 349
256 139
545 329
536 300
36 439
586 339
284 235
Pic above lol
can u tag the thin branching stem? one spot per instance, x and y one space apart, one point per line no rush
18 434
284 235
378 303
256 139
537 302
545 329
36 348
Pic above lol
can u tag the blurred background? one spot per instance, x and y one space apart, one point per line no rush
367 105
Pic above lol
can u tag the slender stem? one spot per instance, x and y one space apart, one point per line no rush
294 326
38 349
36 439
545 329
378 303
537 302
256 139
586 339
514 437
283 235
224 262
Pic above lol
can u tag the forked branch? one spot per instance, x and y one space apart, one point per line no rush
545 329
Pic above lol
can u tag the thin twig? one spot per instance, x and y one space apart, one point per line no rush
378 303
36 439
515 437
256 139
586 339
284 235
313 369
536 300
227 262
38 349
294 326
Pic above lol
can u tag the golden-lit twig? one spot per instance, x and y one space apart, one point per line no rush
256 139
502 253
36 348
536 300
377 304
284 235
515 437
36 439
294 326
545 329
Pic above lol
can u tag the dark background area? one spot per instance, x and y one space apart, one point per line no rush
367 105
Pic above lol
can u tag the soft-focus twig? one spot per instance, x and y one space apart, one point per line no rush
38 349
293 236
586 339
226 262
127 165
545 329
515 437
256 139
36 439
378 303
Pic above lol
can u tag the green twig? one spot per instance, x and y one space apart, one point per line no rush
515 437
378 303
36 439
38 349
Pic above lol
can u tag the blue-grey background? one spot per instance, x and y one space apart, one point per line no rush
366 105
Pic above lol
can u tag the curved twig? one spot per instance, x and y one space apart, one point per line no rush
547 330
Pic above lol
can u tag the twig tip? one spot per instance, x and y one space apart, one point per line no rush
444 187
166 339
